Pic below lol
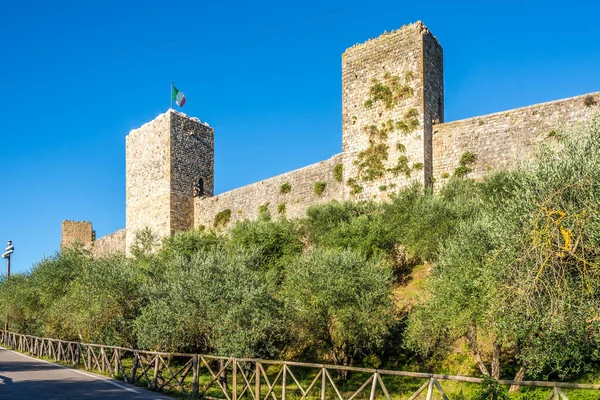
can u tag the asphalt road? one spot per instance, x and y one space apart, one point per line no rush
23 377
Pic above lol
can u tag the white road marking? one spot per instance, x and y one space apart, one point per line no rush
107 380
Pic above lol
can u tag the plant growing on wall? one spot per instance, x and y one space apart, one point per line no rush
355 188
370 162
409 122
401 167
465 163
263 209
418 166
320 188
589 100
222 218
390 92
338 173
285 188
281 208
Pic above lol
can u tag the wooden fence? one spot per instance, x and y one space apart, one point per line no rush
228 378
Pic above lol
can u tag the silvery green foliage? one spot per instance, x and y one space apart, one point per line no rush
339 302
524 270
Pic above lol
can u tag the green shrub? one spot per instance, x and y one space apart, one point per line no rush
338 173
355 188
464 164
589 100
341 301
319 188
274 242
222 218
285 188
467 158
281 208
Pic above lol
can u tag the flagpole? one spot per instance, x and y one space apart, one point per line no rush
171 94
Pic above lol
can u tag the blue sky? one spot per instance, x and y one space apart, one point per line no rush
77 76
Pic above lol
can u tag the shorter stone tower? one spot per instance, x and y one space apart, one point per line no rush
77 231
169 161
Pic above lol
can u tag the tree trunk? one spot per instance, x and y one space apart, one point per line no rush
475 350
496 360
519 377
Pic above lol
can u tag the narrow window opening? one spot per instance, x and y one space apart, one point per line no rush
199 187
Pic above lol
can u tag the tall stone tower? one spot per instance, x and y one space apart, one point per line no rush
170 160
392 93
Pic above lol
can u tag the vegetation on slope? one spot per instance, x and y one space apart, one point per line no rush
506 268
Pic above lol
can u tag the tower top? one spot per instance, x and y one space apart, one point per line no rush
418 26
166 114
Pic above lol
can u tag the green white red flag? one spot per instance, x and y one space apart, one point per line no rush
178 96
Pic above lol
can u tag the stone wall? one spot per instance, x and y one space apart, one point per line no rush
393 132
110 244
409 59
502 139
244 202
73 231
165 160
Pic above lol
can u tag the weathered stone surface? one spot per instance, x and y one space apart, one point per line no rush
244 202
165 158
73 231
415 57
502 139
109 244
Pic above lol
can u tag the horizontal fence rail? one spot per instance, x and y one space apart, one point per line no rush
199 376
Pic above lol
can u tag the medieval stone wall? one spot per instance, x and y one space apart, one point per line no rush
244 203
393 133
73 231
110 244
502 139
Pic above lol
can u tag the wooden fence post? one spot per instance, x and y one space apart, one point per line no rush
77 355
155 380
234 380
196 377
257 380
323 383
283 382
374 387
135 365
430 389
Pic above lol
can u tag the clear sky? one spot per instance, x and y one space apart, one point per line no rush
77 76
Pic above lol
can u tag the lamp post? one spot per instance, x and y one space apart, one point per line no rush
9 250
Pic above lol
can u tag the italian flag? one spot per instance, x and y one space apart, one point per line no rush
178 96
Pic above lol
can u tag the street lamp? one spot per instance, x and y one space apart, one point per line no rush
9 250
